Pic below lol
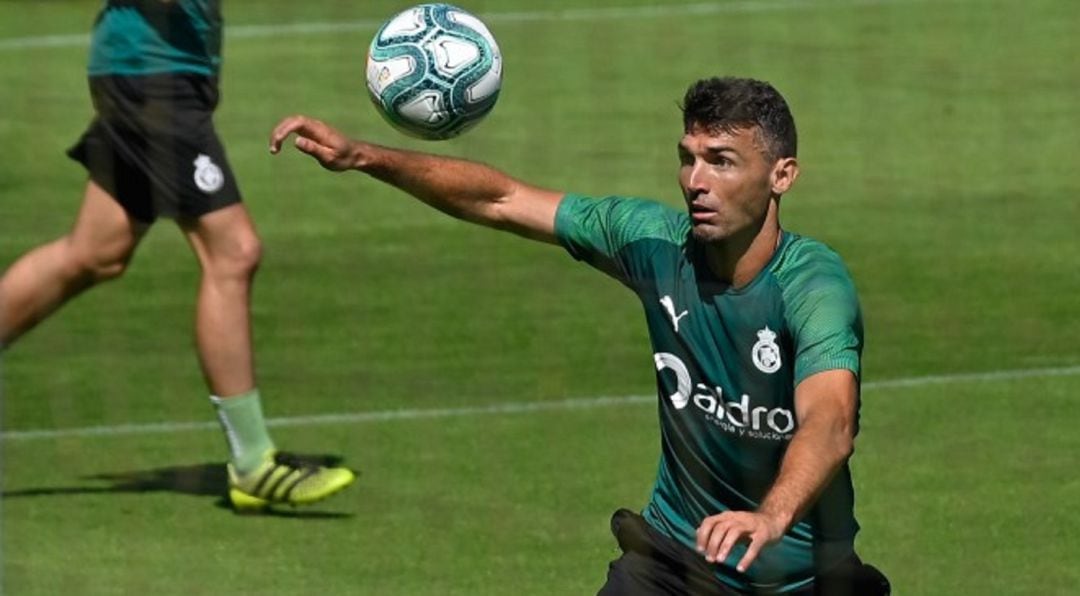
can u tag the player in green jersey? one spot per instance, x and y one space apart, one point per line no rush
756 334
152 151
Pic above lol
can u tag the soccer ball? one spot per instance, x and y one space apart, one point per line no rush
434 71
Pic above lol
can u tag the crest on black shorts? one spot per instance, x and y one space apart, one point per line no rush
208 176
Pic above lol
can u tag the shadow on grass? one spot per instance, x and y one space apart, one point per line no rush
200 480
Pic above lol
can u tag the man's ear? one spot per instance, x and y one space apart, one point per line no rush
784 173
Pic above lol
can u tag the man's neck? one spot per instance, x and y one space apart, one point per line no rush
738 260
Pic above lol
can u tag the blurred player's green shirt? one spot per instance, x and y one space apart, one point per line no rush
727 363
143 37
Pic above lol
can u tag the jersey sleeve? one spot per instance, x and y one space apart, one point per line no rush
824 317
606 232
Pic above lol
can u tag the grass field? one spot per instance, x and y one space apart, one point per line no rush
937 146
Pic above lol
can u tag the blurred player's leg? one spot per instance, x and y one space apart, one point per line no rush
228 249
97 249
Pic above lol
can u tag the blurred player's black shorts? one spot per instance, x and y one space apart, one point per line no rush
654 564
153 147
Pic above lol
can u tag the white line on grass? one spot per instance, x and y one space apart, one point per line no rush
584 14
582 403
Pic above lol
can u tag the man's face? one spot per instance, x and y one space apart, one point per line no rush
727 181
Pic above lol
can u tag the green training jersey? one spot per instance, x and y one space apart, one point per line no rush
143 37
727 363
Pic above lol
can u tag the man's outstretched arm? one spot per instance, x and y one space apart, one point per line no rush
461 188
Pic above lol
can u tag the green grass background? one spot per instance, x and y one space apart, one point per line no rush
937 147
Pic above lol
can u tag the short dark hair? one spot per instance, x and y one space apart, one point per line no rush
727 104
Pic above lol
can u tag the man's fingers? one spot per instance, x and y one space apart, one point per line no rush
703 532
733 536
323 154
721 533
299 124
756 542
718 535
714 543
312 137
283 129
309 146
711 533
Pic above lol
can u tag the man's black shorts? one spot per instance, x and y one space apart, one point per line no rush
653 564
153 147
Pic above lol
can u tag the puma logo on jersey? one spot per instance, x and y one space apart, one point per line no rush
669 306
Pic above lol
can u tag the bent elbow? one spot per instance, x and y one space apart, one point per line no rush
843 446
845 449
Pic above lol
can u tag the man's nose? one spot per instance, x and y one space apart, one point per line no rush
695 182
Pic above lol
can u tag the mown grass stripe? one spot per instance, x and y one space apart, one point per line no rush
581 14
581 403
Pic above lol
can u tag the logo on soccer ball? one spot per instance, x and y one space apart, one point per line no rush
766 353
208 176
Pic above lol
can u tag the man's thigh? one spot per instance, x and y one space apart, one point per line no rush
104 232
850 578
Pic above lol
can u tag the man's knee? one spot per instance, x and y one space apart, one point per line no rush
96 264
239 258
246 254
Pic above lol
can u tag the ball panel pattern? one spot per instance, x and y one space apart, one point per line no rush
434 71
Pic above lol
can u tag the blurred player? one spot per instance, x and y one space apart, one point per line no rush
756 333
151 151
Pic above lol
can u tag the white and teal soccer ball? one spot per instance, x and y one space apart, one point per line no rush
434 71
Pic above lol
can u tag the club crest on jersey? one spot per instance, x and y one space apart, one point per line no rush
208 176
766 353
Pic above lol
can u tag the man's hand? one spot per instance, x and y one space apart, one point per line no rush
717 534
333 150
